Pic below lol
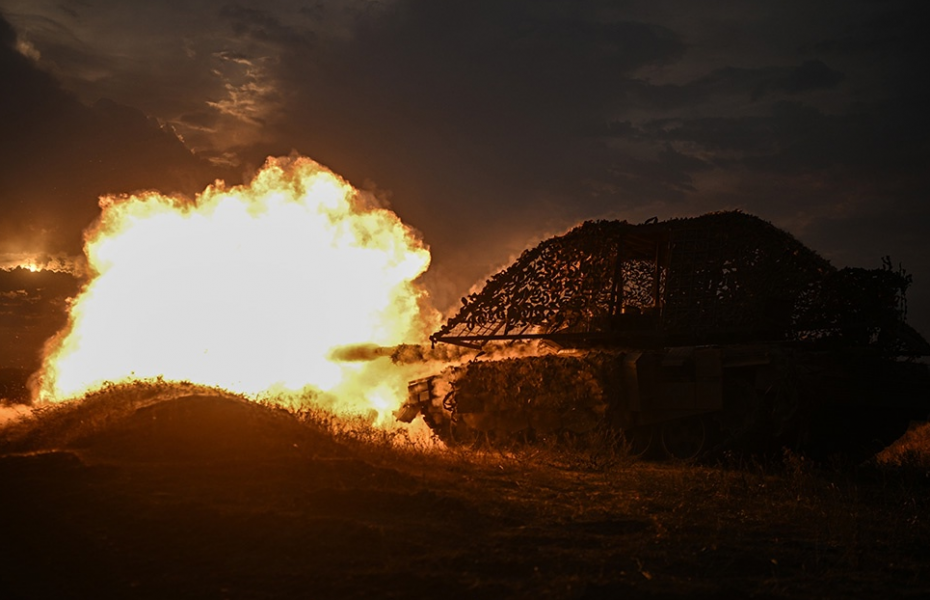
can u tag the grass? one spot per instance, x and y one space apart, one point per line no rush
803 518
385 511
52 426
912 451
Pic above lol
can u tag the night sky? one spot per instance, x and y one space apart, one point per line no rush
487 125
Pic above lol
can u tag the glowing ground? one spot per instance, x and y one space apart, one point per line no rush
209 497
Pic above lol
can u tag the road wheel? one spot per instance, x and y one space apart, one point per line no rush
460 434
684 439
640 441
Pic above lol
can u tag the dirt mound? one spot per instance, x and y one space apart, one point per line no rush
207 428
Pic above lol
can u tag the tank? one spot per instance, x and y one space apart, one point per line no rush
687 337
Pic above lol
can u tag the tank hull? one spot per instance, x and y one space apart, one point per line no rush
692 335
682 402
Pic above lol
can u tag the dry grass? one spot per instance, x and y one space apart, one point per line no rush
911 451
54 426
358 511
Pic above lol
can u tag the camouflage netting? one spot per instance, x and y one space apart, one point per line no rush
711 278
557 383
859 307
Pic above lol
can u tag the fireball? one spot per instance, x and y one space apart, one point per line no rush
248 288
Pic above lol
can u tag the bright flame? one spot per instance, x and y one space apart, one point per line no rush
249 289
40 261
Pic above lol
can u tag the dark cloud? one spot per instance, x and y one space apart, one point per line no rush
57 155
263 25
32 309
752 83
812 75
895 30
491 124
495 122
760 82
7 34
794 139
505 76
470 112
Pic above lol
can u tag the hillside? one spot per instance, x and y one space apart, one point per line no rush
199 495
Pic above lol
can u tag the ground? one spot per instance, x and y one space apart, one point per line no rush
206 496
